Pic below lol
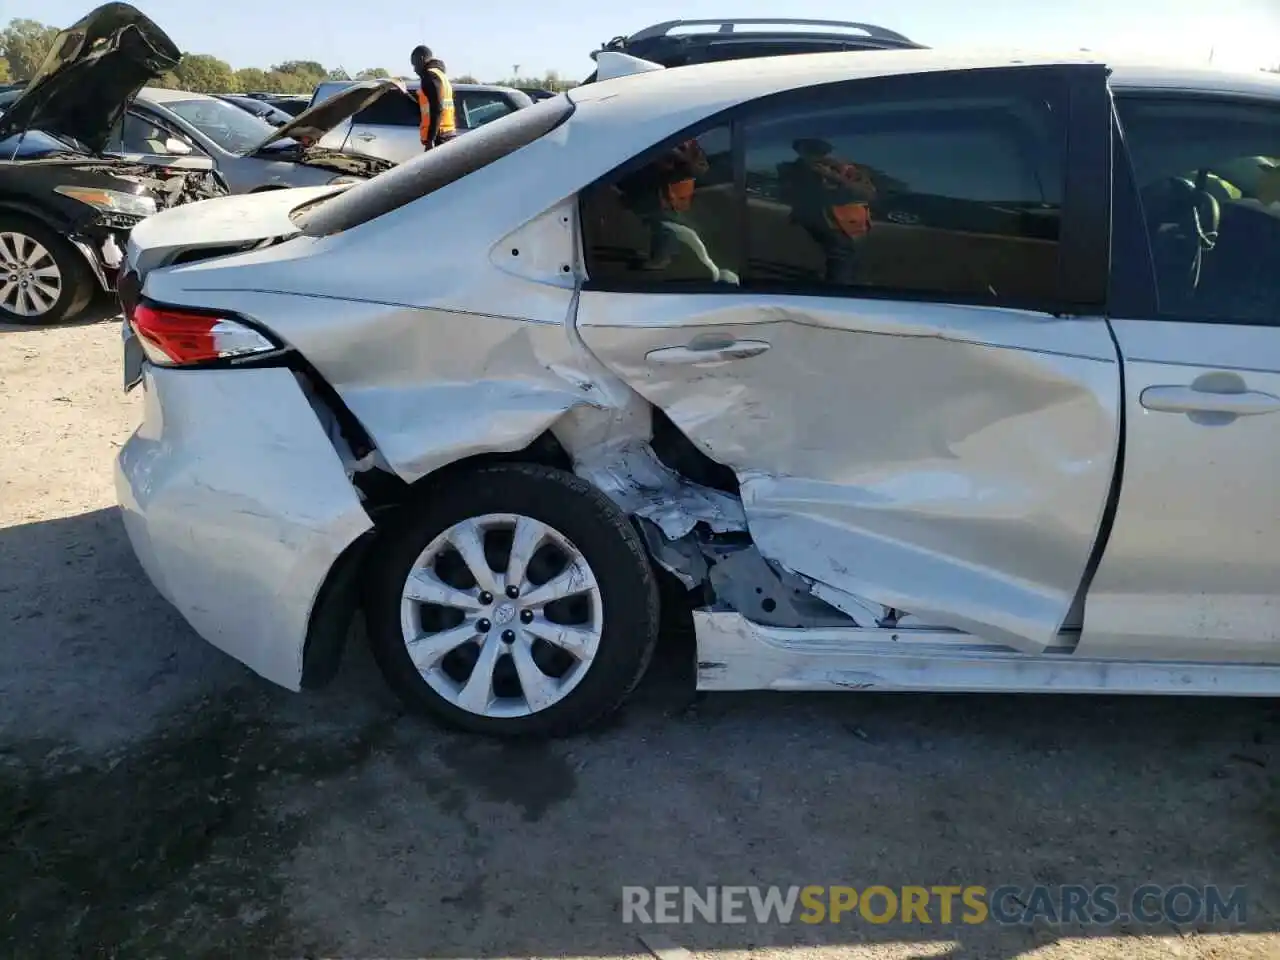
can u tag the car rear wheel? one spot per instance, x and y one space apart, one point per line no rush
515 600
43 278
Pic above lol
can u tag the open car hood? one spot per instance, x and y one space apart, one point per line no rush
313 123
93 70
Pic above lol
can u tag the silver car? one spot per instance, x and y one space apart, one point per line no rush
249 153
389 127
906 371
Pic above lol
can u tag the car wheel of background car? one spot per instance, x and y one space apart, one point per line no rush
43 278
514 600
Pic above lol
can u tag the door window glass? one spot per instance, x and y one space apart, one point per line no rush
136 134
481 108
950 196
1209 177
673 221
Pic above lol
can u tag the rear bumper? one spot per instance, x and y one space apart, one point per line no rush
237 507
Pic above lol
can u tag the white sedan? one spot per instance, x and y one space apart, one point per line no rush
901 372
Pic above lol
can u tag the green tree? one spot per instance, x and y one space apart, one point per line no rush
250 79
465 78
4 70
337 73
373 73
24 45
203 73
297 76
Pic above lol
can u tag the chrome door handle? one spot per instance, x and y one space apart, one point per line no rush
1189 400
711 352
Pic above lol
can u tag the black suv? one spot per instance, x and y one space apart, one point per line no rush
678 43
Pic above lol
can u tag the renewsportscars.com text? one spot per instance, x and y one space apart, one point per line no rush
1099 905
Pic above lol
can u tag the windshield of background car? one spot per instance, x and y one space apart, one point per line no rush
432 170
225 124
36 144
326 90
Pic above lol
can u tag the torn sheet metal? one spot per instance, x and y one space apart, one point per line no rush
333 430
764 593
633 477
866 613
682 558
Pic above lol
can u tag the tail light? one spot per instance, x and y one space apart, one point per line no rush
179 338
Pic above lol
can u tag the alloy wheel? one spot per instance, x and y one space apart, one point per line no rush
30 279
502 615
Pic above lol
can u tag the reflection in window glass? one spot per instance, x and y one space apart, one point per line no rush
944 196
1209 177
674 220
229 127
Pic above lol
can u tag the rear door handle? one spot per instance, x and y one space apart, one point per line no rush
713 352
1184 399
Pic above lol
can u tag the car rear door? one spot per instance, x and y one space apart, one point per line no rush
1191 569
925 414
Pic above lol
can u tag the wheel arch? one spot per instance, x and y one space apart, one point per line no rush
343 591
10 206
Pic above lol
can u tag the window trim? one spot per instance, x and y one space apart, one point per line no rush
1084 243
1148 307
1132 294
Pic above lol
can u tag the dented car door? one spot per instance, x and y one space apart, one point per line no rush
879 303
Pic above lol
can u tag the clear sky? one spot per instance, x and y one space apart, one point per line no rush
488 38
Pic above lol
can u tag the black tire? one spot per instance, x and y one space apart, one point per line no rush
78 281
597 528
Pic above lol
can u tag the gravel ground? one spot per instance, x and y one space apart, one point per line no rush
160 800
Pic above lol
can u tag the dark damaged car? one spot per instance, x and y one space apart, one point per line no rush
66 209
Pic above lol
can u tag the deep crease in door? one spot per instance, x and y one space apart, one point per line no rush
953 462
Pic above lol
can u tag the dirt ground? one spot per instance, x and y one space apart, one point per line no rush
159 800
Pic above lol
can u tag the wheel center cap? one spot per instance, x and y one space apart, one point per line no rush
504 613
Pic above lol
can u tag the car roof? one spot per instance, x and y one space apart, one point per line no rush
709 86
674 38
163 95
1242 83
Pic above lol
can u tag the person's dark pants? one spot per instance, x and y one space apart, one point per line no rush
445 138
840 254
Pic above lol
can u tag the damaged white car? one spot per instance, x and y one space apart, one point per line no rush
913 373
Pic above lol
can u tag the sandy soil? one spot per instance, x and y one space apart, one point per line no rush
157 799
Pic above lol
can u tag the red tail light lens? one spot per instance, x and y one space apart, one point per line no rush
175 338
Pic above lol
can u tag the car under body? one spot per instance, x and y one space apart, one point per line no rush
915 543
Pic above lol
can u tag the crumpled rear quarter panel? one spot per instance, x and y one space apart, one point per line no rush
237 506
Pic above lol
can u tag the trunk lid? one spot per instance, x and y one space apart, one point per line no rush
220 226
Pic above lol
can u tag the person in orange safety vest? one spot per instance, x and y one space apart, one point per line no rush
435 99
831 199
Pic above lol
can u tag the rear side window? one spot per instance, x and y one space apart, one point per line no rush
943 190
432 170
951 196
